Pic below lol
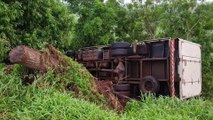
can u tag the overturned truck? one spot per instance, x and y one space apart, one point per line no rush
170 67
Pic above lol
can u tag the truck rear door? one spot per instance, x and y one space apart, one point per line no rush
189 69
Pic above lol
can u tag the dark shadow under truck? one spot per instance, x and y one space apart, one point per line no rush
163 66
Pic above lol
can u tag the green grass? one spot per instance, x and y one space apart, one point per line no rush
18 101
170 109
46 98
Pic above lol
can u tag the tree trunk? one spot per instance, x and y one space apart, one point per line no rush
37 60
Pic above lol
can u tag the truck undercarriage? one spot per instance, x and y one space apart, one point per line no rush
150 66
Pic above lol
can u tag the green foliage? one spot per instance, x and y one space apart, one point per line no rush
204 36
36 23
95 25
4 48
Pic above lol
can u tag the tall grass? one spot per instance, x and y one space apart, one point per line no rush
166 108
32 102
44 99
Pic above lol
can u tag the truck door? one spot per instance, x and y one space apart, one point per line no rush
189 69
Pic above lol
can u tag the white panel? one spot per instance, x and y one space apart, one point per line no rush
189 69
190 90
190 49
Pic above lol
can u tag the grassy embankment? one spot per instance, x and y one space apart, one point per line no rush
47 98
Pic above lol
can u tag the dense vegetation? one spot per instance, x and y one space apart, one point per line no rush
46 100
71 24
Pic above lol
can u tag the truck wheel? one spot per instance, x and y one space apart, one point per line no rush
120 45
119 52
121 87
149 84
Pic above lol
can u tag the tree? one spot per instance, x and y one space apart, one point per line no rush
96 23
36 23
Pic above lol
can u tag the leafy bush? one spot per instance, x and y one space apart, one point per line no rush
4 48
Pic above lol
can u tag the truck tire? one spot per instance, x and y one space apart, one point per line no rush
120 45
121 87
149 85
119 52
